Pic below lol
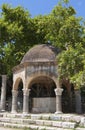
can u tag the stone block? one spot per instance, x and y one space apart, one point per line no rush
44 105
56 117
34 127
66 118
28 121
50 128
39 122
75 118
82 121
65 125
41 128
68 125
46 117
57 124
80 128
48 123
35 117
73 125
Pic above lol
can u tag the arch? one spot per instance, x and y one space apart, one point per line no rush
42 95
20 97
16 83
43 83
41 74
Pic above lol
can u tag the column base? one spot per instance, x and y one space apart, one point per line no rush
25 113
13 112
58 112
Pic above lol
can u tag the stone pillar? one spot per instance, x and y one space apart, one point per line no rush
26 101
58 92
3 92
78 101
14 101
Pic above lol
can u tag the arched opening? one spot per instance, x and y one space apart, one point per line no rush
42 95
19 87
20 97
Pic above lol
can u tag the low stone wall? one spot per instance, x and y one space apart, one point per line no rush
44 105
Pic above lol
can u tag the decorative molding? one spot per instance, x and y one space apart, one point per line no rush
34 63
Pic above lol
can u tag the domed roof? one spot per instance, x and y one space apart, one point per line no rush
43 52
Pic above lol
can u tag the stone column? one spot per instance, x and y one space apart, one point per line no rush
78 101
58 92
3 92
26 101
14 101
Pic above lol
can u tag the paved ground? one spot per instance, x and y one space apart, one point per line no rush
2 128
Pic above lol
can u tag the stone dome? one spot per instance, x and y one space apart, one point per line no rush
43 52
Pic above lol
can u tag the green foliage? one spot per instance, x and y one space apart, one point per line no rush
63 27
16 36
8 57
40 24
19 32
72 64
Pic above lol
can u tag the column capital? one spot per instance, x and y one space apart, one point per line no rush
58 91
26 92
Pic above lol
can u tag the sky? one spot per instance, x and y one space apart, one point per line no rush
36 7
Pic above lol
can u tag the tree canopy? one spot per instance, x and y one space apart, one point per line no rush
61 27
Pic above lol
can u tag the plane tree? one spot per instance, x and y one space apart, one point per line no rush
61 28
17 35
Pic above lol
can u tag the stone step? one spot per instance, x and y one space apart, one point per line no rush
33 127
59 117
82 123
60 124
80 128
43 121
17 120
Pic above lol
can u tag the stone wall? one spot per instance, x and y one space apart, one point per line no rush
44 105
